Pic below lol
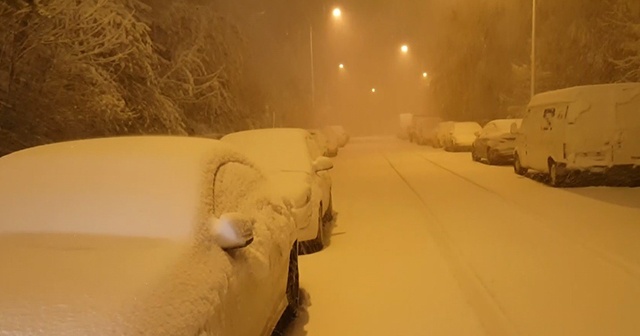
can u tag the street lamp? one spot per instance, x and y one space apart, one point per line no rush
425 75
337 14
404 48
533 49
373 90
341 66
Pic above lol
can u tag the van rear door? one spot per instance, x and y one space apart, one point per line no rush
626 144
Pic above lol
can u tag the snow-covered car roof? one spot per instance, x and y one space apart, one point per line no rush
589 92
466 126
130 186
274 149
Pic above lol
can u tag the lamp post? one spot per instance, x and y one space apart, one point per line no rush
337 14
533 49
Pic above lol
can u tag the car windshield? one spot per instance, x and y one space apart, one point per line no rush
466 127
504 126
430 167
274 150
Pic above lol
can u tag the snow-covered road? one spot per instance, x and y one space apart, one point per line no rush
431 243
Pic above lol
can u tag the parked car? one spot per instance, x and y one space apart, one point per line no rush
461 136
292 159
422 129
441 134
142 236
328 145
343 136
494 142
593 128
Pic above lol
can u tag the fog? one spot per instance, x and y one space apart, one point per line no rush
197 67
477 56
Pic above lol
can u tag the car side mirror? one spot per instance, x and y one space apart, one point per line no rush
322 163
232 230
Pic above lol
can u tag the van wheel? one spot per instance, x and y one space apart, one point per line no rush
555 179
517 166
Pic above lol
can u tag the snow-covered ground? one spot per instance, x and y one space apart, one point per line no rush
431 243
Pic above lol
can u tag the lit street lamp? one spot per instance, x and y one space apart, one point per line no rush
337 12
341 66
404 48
373 90
425 75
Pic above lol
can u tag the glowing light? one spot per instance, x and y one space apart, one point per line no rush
337 12
404 48
341 66
373 90
425 75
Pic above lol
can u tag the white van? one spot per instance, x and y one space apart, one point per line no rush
593 128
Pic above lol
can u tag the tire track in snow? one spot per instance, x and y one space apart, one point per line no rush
615 260
490 313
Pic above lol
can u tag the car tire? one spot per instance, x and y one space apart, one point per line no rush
328 215
555 179
317 244
517 165
293 282
474 156
491 157
292 293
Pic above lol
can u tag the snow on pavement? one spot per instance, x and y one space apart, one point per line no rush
382 273
431 243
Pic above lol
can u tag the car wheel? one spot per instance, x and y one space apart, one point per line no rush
328 215
517 165
293 293
474 156
317 244
293 282
555 179
491 157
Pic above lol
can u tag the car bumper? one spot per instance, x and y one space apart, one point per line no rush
459 148
504 154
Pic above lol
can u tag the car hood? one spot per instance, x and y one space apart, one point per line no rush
65 284
292 185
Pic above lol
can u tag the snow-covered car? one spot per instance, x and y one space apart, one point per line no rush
494 142
343 136
142 236
423 129
594 128
441 133
328 145
461 136
300 172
